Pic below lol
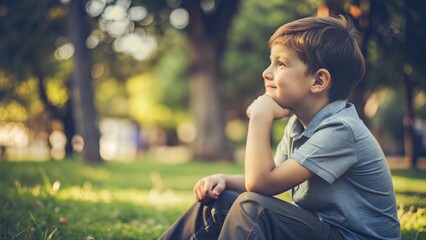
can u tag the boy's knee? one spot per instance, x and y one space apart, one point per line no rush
250 203
252 197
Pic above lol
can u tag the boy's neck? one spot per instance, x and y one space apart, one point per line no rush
307 112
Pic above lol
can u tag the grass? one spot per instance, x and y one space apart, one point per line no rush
135 200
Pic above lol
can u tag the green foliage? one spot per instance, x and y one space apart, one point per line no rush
132 200
111 98
144 102
170 72
35 33
396 43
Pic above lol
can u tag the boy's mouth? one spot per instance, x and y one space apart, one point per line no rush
269 87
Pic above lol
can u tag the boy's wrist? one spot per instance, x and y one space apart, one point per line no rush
261 119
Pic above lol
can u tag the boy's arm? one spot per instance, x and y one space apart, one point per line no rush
235 183
261 174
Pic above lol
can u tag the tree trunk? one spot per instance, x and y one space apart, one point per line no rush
408 121
69 128
84 111
206 34
63 115
211 142
411 50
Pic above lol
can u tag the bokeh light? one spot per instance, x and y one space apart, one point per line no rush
186 132
57 141
137 13
179 18
95 7
65 51
139 46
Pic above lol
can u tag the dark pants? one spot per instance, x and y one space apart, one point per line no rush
249 216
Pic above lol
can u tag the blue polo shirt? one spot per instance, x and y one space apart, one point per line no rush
352 187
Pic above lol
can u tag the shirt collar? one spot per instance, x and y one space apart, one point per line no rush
326 112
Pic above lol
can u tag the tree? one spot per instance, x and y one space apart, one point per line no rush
394 33
207 35
398 31
44 24
28 45
81 83
413 67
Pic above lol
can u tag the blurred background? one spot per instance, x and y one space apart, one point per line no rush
171 79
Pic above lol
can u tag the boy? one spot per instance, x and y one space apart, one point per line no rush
341 184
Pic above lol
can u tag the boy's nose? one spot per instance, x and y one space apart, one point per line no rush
267 75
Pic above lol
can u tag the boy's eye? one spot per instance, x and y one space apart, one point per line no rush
281 64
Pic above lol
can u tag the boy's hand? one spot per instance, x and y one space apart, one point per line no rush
209 188
265 106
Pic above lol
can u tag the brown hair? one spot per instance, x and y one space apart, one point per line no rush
326 42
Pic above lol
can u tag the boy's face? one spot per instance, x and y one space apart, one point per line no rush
285 79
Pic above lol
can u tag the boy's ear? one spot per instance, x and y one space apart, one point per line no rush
322 81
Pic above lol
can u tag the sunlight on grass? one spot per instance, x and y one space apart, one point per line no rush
94 173
72 200
154 198
409 185
50 210
158 196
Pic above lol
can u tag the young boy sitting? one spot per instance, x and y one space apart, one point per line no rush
340 181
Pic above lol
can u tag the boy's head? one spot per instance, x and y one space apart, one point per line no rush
329 43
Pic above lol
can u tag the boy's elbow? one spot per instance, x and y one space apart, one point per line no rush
249 186
262 186
255 186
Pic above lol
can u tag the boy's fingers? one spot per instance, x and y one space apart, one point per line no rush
249 108
198 191
211 195
248 111
203 190
196 196
217 190
194 191
199 195
284 112
206 188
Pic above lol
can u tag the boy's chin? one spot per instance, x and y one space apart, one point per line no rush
283 105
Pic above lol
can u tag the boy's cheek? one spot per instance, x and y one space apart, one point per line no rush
281 97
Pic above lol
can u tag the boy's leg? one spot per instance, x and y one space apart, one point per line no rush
256 216
202 221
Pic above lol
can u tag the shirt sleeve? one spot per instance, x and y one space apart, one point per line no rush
329 152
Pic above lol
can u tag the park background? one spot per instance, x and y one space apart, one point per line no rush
110 110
